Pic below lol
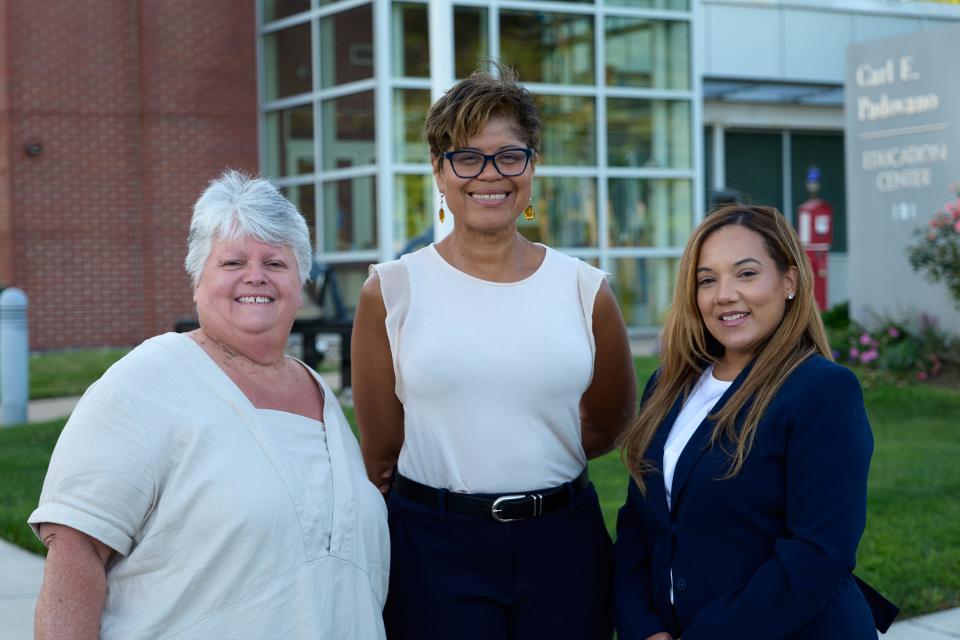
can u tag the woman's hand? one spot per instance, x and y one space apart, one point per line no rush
386 479
74 584
663 635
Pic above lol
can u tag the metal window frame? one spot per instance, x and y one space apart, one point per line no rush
440 25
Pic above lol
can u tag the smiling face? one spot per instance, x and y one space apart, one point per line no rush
247 288
741 293
488 202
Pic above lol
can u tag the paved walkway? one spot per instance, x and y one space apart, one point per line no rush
20 576
21 571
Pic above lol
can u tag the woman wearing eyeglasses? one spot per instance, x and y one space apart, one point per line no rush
487 370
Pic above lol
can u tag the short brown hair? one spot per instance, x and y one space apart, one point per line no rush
465 109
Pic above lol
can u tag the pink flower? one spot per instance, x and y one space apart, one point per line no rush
854 353
956 226
869 356
893 332
934 222
921 375
865 339
953 208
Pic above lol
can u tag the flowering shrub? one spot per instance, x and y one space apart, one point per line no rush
894 349
936 252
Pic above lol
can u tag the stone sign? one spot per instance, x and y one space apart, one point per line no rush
902 116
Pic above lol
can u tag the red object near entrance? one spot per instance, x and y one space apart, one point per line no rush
815 228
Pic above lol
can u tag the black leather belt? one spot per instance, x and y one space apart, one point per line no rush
508 507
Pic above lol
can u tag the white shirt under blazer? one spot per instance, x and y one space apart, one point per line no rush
490 374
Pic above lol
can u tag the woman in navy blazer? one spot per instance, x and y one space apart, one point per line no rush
755 533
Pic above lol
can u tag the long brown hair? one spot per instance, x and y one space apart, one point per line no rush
688 348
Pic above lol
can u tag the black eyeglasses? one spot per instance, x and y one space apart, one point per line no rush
470 164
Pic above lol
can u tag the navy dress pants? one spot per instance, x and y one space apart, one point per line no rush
461 577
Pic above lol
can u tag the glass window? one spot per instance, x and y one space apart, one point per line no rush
647 53
350 215
349 131
302 196
289 142
411 43
276 9
469 39
287 60
566 212
569 125
413 212
346 46
754 167
548 47
650 213
349 277
669 5
409 113
649 133
644 288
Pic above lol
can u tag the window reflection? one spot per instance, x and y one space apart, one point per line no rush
648 133
303 198
670 5
346 53
650 213
349 131
413 212
276 9
644 288
350 214
411 42
289 134
287 61
569 125
647 53
469 39
566 212
350 277
548 47
409 113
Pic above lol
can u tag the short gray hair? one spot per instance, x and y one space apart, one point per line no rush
234 206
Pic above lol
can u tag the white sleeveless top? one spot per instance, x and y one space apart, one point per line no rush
490 374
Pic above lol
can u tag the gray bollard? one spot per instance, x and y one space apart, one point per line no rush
14 348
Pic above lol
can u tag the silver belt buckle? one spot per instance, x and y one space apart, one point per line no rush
497 506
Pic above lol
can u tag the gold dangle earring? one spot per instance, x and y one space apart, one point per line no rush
443 203
529 213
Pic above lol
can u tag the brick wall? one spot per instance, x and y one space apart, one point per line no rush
137 106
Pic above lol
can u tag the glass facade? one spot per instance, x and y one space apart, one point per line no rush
345 87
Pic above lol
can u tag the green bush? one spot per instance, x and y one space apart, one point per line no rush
936 252
899 349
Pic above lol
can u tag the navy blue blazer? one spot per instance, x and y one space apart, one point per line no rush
768 553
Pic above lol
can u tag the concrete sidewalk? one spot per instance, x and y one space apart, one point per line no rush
20 575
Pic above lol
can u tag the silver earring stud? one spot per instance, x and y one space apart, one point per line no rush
790 296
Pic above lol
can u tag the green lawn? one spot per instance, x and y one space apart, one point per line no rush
910 552
24 456
69 373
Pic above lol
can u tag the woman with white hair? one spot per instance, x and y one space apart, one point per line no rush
208 485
